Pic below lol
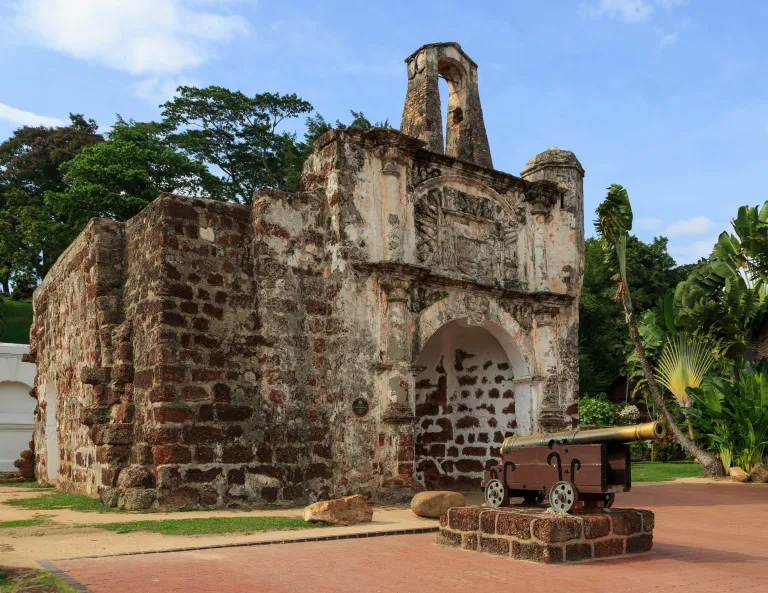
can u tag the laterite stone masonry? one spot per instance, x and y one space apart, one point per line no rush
543 536
209 354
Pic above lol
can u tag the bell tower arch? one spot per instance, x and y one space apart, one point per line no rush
466 138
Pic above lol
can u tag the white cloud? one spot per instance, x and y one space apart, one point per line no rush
158 89
648 224
698 225
692 252
670 37
142 37
26 118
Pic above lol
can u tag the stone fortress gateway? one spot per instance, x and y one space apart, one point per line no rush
207 353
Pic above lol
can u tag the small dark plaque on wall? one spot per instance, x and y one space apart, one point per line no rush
360 407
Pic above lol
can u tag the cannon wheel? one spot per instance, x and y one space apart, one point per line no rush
496 493
563 497
608 500
533 496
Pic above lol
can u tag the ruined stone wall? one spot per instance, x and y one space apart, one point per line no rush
219 348
72 306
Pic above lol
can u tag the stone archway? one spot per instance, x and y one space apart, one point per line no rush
464 404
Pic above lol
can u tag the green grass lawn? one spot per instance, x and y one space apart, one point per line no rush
211 525
62 500
655 471
22 523
32 485
29 580
15 321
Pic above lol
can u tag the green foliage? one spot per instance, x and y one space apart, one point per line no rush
209 525
596 410
116 179
666 449
236 134
15 321
30 580
22 523
62 500
604 342
664 472
30 485
31 235
734 416
627 414
640 451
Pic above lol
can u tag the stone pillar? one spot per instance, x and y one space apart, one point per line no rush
422 118
563 169
397 381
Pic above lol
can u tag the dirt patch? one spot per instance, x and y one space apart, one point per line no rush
30 580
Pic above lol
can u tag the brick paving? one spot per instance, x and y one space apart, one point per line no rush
708 537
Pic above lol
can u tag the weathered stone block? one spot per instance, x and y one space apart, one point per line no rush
469 541
164 454
494 545
626 522
178 498
135 476
596 525
464 518
576 552
514 524
639 544
545 554
609 547
449 538
557 528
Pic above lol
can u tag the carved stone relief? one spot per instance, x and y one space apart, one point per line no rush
466 235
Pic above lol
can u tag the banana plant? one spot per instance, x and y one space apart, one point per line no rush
614 221
734 415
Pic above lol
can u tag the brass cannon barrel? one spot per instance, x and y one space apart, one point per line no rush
608 434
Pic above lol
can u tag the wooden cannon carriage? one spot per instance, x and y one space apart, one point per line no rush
576 469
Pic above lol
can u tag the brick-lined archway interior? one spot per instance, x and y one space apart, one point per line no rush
465 406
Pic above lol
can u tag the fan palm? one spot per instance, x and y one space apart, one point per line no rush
614 221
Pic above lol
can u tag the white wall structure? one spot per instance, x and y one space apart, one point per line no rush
17 408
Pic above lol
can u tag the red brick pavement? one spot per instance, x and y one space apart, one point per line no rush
708 537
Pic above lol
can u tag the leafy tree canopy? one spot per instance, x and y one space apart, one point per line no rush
236 134
30 160
116 179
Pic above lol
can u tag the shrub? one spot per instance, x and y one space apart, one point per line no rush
640 451
667 449
734 416
628 414
596 410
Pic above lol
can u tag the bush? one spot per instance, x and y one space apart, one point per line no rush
627 414
734 416
640 451
667 449
596 410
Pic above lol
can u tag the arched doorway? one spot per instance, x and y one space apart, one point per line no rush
465 405
51 432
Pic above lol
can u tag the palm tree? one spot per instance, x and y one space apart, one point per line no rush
614 221
683 363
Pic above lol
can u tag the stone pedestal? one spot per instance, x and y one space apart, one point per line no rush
540 535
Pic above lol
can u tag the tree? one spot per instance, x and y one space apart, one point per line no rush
614 221
116 179
604 342
236 134
31 236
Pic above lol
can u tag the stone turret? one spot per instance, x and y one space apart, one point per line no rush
466 138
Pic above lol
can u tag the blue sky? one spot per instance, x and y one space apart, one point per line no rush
667 97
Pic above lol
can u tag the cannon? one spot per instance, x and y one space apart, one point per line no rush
575 469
